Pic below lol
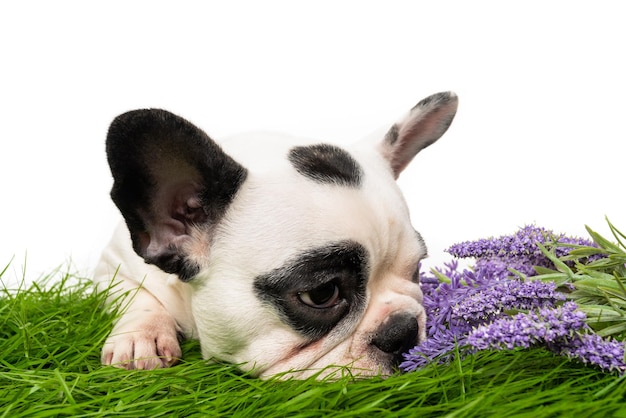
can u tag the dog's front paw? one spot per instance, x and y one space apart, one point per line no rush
147 343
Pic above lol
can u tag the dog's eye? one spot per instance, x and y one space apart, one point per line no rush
324 296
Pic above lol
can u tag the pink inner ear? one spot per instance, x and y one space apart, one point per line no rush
168 236
422 127
175 209
418 133
193 203
186 206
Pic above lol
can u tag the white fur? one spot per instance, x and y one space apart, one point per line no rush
276 214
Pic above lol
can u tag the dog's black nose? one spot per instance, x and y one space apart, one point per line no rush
397 335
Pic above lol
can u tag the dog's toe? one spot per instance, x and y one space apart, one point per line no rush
145 345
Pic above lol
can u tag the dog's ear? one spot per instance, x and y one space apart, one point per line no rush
171 181
424 125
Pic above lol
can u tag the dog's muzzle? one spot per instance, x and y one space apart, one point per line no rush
397 335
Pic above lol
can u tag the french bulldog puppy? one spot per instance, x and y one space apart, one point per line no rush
279 255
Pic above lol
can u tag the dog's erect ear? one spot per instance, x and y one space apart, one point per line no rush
170 179
424 125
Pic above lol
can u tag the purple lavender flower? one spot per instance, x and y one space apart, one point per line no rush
439 347
549 325
593 349
518 251
562 330
486 302
468 310
475 297
469 299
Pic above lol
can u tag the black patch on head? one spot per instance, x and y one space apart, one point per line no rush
326 163
344 264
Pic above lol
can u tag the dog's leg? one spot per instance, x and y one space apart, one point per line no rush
151 309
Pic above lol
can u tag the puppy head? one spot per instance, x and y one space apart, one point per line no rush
300 255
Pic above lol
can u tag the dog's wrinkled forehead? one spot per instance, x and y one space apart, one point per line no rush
325 163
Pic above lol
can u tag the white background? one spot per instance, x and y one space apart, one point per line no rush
539 136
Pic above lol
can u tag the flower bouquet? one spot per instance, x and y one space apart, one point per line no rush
532 288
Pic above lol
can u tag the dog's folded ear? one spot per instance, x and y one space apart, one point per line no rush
172 184
424 125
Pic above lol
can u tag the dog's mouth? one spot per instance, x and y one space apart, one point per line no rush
370 364
378 353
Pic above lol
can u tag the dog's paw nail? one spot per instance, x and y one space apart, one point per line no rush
145 350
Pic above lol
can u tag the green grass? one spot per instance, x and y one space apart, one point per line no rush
51 334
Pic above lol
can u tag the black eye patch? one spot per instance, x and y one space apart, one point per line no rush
343 265
325 163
